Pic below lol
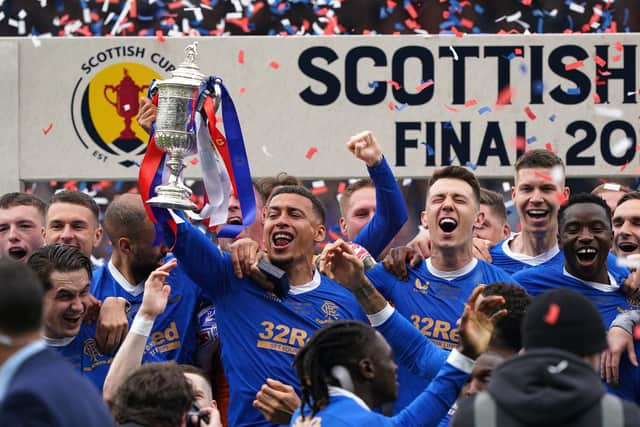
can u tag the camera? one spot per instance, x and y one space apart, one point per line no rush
195 416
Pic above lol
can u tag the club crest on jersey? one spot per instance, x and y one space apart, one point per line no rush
90 349
330 311
421 287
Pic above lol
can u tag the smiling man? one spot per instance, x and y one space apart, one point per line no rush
538 193
262 332
21 225
626 225
438 287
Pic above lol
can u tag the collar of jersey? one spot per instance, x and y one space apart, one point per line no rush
528 259
451 275
339 391
59 342
134 290
612 286
307 287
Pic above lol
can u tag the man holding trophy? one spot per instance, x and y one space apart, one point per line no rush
259 341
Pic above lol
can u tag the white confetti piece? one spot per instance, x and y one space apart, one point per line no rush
557 174
86 15
233 15
126 107
12 22
508 204
574 7
266 152
608 112
506 186
318 184
620 147
611 186
36 41
22 14
454 53
406 182
22 29
353 180
514 16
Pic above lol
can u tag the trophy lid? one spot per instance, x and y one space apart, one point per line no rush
188 73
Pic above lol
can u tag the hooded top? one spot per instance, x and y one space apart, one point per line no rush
545 387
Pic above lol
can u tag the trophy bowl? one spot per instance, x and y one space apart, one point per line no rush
175 129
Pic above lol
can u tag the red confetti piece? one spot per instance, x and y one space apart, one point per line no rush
455 31
616 58
195 161
453 110
543 176
623 167
636 332
391 106
470 102
175 5
241 91
395 85
518 51
412 12
241 56
530 113
310 152
242 23
573 65
48 129
504 97
133 9
526 2
619 47
549 147
391 4
520 143
596 98
159 36
53 183
341 187
467 23
424 85
601 62
274 65
552 314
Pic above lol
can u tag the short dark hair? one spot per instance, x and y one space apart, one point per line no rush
21 299
345 197
317 206
508 330
538 158
156 394
457 172
584 198
495 201
125 216
60 258
10 200
345 343
76 198
190 369
632 195
266 185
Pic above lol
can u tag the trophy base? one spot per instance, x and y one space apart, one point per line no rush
170 197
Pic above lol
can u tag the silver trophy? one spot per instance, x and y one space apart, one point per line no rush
174 133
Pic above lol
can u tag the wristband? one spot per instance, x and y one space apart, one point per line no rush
141 325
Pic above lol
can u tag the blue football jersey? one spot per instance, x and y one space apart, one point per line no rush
174 333
433 304
259 332
512 262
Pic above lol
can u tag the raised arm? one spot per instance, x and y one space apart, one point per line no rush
129 357
391 212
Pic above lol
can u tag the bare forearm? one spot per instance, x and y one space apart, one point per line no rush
368 296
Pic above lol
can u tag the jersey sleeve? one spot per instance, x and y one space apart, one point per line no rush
382 280
205 264
390 215
411 349
433 403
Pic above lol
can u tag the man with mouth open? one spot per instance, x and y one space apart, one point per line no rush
21 225
538 193
585 237
626 225
260 331
433 300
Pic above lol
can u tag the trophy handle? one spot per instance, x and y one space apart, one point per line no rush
217 95
106 96
143 88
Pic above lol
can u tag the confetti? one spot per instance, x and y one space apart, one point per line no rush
241 56
557 174
574 65
616 58
601 62
613 113
424 85
470 103
395 85
552 118
319 187
483 110
504 97
573 91
241 91
471 165
453 110
391 106
624 167
274 65
160 36
636 332
429 148
619 46
194 162
531 140
310 152
506 186
552 314
406 182
341 187
529 113
543 176
454 53
401 107
549 147
613 187
48 129
372 85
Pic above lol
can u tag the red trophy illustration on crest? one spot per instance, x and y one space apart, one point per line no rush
127 106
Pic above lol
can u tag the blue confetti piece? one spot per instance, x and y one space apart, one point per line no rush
531 140
523 68
537 13
118 186
538 87
447 125
485 109
429 148
372 85
383 13
625 20
479 9
400 26
570 22
401 107
511 56
540 28
573 91
471 165
552 117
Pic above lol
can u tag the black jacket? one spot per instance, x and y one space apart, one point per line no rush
545 387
